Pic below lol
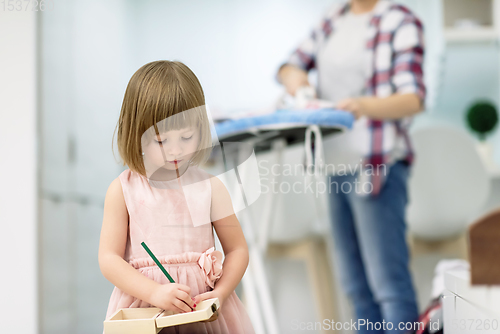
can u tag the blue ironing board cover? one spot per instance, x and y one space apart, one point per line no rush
324 118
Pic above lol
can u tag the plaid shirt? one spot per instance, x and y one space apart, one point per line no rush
395 46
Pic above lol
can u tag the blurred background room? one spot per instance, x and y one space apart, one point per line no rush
64 71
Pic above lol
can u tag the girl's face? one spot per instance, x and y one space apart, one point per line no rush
172 149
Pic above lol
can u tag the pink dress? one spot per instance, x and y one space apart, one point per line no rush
175 224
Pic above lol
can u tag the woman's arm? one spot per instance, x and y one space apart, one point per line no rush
112 250
232 240
293 73
393 107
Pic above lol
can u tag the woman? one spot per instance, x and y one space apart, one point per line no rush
368 55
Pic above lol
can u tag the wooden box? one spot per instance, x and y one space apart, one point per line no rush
484 249
151 320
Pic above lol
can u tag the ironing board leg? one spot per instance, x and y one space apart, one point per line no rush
255 282
264 292
252 302
277 147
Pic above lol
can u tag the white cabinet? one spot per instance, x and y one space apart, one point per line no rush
470 309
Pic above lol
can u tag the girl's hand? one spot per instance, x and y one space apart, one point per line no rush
173 297
210 294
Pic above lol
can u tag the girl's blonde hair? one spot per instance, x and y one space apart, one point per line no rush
155 92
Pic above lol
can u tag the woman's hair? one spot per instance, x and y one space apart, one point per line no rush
157 91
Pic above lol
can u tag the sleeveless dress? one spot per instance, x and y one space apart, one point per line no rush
175 224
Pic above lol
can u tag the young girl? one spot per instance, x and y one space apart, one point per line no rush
166 201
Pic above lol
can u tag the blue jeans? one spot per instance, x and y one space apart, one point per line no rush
371 255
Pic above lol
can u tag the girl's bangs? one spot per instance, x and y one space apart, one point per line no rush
182 120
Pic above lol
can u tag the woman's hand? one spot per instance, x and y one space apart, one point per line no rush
211 294
392 107
293 78
351 105
173 297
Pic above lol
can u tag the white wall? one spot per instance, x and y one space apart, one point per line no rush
233 46
18 170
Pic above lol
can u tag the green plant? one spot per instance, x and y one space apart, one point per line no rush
482 117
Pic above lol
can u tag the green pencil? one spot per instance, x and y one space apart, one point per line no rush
158 262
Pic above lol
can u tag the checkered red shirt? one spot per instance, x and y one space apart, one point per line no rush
396 47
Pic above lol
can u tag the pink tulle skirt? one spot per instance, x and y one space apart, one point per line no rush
199 271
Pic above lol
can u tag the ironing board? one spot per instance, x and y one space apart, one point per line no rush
283 124
272 132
